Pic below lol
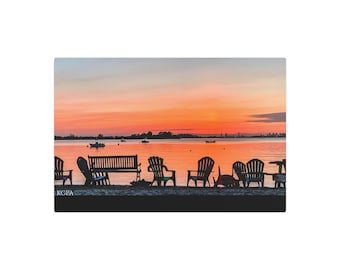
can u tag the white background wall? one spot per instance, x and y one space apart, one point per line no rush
33 33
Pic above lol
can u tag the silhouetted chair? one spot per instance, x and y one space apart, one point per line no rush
91 177
254 172
280 178
205 166
157 167
240 169
59 172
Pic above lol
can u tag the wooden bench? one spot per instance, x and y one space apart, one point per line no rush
115 164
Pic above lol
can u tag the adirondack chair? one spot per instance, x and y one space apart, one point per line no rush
91 178
157 167
280 177
240 169
59 172
205 166
254 172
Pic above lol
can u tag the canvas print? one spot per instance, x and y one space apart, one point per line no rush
170 134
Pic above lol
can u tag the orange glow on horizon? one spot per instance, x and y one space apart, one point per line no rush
179 120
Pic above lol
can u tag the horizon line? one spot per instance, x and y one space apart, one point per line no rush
174 134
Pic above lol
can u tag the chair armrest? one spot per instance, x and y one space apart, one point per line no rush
99 178
173 173
166 168
66 171
190 171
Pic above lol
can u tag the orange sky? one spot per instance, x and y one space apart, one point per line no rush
199 96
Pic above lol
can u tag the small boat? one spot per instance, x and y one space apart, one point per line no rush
97 144
123 140
145 141
210 141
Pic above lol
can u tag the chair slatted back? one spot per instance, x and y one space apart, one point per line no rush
205 166
83 167
240 169
58 168
255 169
156 165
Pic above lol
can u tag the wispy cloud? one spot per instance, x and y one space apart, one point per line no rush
269 117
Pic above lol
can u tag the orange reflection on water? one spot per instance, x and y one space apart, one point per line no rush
179 155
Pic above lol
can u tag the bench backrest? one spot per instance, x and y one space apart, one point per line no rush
113 162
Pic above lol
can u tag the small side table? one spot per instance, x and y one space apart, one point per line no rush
279 178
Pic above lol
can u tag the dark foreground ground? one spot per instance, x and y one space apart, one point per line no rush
174 199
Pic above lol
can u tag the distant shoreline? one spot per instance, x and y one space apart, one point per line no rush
59 138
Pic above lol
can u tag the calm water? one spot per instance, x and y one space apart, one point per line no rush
179 155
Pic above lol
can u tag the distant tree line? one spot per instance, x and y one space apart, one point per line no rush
167 135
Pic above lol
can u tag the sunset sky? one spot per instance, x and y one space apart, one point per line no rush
123 96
